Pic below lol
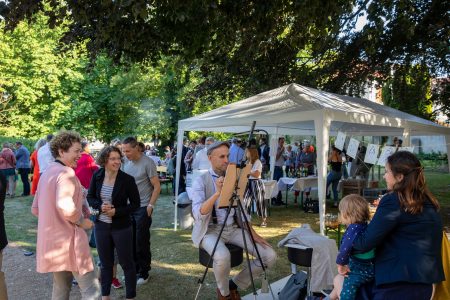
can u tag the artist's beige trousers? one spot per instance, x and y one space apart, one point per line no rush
232 234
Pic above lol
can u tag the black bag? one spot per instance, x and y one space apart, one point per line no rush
295 288
311 206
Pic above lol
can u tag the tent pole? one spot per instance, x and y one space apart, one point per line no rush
273 152
447 143
180 136
406 137
322 127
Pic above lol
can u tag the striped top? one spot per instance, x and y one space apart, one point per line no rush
105 195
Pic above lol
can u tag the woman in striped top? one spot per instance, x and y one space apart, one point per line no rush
115 194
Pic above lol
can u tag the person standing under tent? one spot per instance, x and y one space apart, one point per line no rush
236 152
306 161
255 187
335 174
263 153
280 158
189 158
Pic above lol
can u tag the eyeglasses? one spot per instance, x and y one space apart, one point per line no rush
114 159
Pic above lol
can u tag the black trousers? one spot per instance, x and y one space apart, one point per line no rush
141 235
107 239
23 172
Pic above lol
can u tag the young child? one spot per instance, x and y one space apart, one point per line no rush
354 269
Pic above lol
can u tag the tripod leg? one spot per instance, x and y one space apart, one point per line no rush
200 281
240 208
251 236
240 212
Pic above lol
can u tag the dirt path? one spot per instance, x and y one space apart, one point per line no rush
23 282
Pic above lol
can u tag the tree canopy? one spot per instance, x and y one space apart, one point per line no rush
164 60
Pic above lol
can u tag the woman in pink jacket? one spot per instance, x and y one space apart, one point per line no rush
62 243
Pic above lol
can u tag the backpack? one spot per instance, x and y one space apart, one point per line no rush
295 288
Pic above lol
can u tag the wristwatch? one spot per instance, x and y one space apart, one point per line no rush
151 205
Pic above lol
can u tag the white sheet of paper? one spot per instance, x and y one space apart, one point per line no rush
352 148
340 140
372 154
385 153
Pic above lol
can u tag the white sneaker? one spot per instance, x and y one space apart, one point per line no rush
142 281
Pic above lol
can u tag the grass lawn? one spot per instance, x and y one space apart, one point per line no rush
175 267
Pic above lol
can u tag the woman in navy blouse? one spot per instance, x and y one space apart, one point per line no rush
406 231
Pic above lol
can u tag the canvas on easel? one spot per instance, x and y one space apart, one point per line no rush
229 184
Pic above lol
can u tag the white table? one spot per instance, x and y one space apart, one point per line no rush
270 188
297 184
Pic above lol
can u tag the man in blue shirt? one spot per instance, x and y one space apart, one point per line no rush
23 166
236 152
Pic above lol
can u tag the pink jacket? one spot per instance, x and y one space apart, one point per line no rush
61 245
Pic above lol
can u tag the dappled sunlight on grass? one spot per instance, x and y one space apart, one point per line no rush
175 267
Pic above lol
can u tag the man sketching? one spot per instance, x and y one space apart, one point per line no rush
209 220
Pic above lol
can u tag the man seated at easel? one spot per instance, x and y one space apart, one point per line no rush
209 220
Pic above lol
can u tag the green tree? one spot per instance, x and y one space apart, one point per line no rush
36 77
409 90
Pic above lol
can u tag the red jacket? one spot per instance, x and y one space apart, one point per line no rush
85 169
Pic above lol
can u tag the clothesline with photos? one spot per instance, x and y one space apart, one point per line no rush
373 155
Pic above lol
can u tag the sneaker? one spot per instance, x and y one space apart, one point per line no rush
263 224
116 284
142 280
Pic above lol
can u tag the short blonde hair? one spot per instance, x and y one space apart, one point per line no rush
354 209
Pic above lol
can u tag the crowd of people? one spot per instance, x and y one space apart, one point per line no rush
395 254
113 195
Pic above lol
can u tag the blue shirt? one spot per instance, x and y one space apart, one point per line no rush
353 230
23 158
236 154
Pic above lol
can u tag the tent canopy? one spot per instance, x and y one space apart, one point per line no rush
293 108
297 110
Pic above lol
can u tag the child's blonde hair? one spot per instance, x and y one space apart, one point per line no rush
354 209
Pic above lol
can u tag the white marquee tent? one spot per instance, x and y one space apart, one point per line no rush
297 110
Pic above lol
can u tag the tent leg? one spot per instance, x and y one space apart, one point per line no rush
322 128
447 143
